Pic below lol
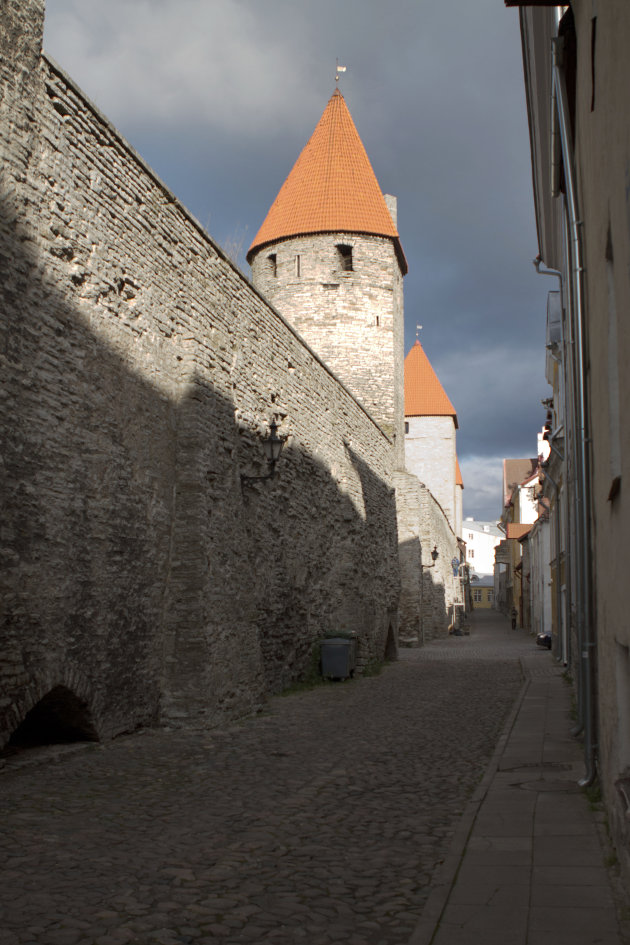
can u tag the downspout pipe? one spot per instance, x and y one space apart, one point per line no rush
564 648
564 635
587 641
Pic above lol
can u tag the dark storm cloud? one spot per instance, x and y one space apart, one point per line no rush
221 97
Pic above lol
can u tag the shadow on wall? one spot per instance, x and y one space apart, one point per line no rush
410 616
423 611
140 581
435 614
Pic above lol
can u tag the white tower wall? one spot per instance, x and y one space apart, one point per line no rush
430 455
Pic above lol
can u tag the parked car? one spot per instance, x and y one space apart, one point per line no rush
544 639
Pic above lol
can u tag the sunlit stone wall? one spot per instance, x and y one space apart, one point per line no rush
140 373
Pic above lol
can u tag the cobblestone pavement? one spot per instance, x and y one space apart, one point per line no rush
319 821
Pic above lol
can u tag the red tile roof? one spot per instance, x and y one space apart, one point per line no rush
516 472
424 395
517 530
458 474
332 188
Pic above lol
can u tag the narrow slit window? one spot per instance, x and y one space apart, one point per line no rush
298 265
344 254
273 264
377 320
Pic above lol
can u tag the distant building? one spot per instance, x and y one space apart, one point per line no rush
481 539
520 511
482 593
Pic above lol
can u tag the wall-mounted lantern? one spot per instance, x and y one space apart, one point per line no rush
435 554
272 446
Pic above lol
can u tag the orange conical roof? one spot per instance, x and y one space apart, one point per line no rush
332 187
424 395
458 474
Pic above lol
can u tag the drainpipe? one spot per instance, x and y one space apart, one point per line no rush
565 643
564 637
585 627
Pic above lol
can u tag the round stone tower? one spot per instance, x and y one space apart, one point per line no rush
328 257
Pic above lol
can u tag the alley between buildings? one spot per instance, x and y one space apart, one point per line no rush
321 820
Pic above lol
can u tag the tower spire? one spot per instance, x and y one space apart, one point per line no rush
330 189
328 257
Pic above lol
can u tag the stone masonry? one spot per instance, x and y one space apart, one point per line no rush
352 318
322 820
141 370
428 589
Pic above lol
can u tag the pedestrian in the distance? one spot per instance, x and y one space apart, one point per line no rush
514 616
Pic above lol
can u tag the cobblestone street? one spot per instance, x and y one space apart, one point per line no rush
320 821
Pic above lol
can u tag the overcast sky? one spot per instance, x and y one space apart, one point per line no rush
220 97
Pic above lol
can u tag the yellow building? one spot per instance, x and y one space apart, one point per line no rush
482 593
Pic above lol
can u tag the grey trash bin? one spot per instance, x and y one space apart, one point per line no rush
338 656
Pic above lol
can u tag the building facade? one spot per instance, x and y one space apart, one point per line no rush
481 539
575 58
482 593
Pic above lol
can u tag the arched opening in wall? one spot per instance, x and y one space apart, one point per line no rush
391 647
59 718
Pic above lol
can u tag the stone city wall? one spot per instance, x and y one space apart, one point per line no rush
441 589
140 371
428 589
409 514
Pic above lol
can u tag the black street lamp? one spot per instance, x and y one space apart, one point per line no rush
272 446
435 554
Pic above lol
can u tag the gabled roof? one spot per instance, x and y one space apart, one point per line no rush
518 529
424 395
515 472
458 474
331 188
483 528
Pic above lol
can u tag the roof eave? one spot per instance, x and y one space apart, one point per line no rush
400 255
426 414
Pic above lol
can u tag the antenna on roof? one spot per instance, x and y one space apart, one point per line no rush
338 70
418 330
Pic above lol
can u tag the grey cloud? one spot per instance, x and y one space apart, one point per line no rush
221 97
483 477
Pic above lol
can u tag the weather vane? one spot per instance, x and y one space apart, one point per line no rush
339 69
418 330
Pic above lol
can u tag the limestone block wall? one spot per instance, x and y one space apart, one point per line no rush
430 455
441 589
428 590
409 513
140 371
352 319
